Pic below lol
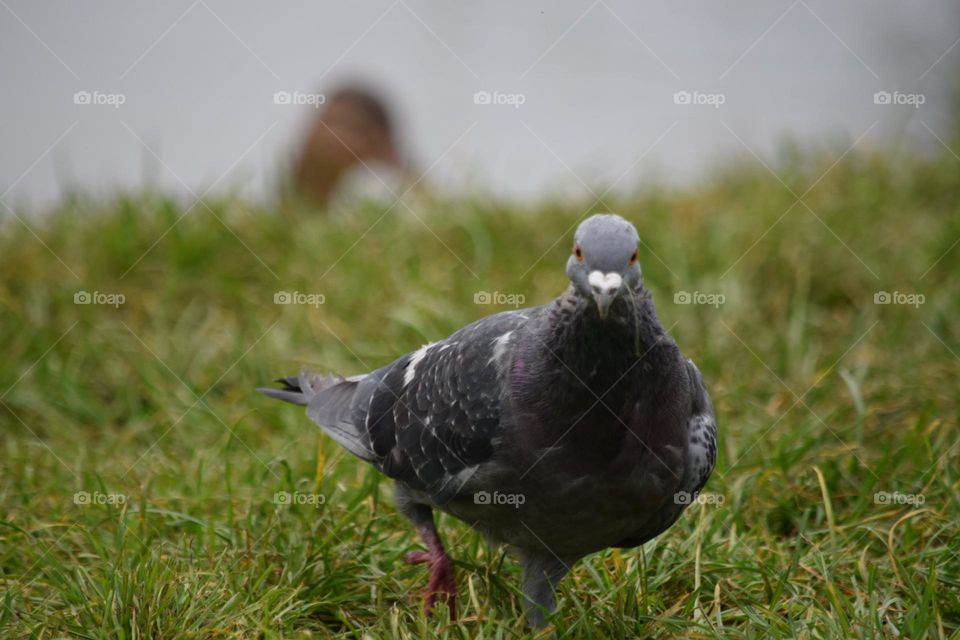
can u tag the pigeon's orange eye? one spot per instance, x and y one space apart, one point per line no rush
578 252
633 258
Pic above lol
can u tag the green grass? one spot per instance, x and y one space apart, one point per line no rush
823 397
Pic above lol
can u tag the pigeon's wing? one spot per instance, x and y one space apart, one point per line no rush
434 415
701 457
702 434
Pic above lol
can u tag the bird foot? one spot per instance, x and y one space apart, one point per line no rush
442 586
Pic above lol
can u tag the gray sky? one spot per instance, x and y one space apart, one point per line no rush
597 84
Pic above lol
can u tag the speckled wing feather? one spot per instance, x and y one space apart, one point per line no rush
432 416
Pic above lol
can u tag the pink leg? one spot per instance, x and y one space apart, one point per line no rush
442 587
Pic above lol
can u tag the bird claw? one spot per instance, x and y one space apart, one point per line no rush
442 587
417 557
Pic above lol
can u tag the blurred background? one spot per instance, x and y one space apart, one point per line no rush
218 95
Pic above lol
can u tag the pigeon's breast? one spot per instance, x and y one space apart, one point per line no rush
590 455
593 439
586 491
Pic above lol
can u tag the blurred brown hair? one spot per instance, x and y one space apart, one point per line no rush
354 126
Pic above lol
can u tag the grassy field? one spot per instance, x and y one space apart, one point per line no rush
140 470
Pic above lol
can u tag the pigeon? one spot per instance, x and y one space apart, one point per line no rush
558 430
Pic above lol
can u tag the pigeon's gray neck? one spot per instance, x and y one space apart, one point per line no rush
583 340
575 363
578 370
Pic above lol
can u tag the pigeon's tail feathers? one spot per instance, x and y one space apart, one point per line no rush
332 408
329 402
301 389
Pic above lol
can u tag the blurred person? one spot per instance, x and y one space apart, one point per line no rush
350 152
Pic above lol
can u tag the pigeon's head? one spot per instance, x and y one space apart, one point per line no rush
603 265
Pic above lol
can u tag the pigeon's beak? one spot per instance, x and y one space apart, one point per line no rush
605 288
